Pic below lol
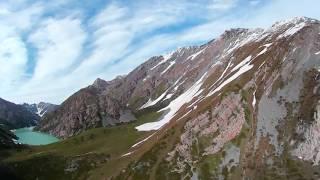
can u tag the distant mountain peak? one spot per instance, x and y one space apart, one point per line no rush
100 83
40 108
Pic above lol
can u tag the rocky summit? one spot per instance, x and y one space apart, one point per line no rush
245 105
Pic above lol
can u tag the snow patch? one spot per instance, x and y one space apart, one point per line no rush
267 45
146 78
40 111
293 30
191 57
229 64
138 143
242 70
151 103
174 107
251 36
165 59
168 96
177 86
127 154
262 52
317 53
265 49
170 65
254 99
242 63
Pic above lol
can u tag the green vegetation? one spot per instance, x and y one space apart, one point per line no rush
208 166
95 153
159 90
153 163
135 100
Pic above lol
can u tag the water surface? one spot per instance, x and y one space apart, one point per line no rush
28 136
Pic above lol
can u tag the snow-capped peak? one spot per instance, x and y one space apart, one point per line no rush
40 108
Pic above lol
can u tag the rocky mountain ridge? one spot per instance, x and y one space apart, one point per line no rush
157 81
16 116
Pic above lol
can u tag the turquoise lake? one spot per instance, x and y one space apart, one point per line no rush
28 136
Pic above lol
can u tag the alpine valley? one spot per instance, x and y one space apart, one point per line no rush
245 105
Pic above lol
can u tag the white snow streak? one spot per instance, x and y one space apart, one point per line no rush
151 103
229 64
177 86
191 57
267 45
174 106
170 65
242 70
242 63
168 96
254 99
317 53
138 143
265 49
293 30
127 154
39 111
165 59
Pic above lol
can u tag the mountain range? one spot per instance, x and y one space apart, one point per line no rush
245 105
15 116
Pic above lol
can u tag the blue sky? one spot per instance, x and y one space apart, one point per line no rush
50 49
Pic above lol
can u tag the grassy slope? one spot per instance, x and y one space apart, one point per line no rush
97 151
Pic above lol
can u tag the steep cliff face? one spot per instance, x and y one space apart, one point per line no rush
16 116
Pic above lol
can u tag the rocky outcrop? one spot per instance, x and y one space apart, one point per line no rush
16 116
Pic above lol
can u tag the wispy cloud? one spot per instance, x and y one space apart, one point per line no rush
223 5
50 50
59 43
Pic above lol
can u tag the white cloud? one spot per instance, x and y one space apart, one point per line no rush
12 62
20 19
59 43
